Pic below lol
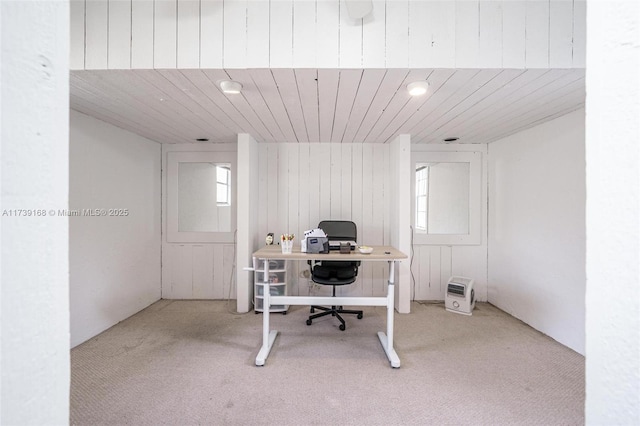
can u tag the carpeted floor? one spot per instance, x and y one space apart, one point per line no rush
192 362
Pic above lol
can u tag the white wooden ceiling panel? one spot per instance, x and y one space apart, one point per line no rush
541 99
425 105
97 111
397 103
525 91
347 88
438 96
482 85
307 81
253 97
369 85
327 93
266 85
474 113
449 95
215 118
558 96
210 80
327 105
391 84
239 107
286 81
180 90
159 104
116 102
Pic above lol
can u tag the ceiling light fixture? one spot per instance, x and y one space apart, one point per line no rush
418 88
230 87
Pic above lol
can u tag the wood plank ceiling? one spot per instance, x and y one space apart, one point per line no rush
327 105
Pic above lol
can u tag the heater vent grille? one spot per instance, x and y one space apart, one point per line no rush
456 289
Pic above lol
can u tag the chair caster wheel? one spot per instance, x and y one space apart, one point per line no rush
284 313
359 316
308 322
312 310
342 327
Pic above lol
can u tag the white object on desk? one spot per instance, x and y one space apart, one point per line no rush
287 246
379 253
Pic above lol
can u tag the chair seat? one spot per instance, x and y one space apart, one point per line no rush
330 281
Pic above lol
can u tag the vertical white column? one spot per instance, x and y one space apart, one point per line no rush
613 213
34 160
247 217
400 233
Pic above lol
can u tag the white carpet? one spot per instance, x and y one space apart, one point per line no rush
192 362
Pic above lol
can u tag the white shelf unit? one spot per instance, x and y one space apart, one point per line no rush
278 276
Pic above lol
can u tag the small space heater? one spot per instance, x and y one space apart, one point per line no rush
460 297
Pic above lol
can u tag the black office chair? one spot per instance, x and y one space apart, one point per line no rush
335 273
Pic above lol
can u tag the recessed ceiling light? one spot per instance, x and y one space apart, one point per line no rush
418 88
230 87
448 140
202 140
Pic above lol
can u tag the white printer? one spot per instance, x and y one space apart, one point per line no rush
314 241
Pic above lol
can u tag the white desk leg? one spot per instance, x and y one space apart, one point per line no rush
387 339
268 337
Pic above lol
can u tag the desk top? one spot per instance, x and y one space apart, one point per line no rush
379 254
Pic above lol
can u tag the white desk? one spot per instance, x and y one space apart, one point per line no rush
379 254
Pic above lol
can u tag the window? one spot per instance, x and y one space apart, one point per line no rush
200 196
223 185
447 197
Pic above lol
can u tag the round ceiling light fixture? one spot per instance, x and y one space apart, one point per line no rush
418 88
230 87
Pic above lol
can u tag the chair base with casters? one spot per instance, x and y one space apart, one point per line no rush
334 311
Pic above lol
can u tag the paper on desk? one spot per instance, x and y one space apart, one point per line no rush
314 233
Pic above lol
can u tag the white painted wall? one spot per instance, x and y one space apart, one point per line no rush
123 34
114 260
613 214
34 163
537 228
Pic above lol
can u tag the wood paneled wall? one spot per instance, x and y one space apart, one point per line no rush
432 265
301 184
195 270
130 34
198 271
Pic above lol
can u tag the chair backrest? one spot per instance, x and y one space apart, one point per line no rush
339 230
337 272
